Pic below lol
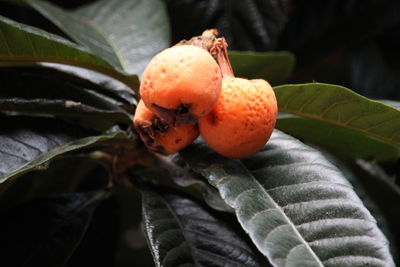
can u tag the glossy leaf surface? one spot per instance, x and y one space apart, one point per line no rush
298 209
336 116
26 143
24 45
181 232
126 33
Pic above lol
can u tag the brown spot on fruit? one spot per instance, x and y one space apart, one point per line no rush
213 117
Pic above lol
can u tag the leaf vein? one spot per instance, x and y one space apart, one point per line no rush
5 42
214 237
291 224
25 144
355 256
13 155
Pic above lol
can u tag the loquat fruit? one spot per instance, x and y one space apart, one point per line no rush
160 136
181 84
243 118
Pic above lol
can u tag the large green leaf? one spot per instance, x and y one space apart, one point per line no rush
298 208
275 67
126 33
25 45
340 119
27 143
181 232
338 139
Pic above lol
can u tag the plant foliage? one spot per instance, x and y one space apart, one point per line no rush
68 149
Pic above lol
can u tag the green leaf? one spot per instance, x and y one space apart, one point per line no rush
275 67
26 45
181 232
297 208
340 140
126 33
27 143
340 119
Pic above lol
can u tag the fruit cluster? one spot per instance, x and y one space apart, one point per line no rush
185 92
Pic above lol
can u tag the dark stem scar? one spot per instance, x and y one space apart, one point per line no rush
177 117
150 131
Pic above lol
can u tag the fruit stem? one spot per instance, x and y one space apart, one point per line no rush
205 41
221 49
215 46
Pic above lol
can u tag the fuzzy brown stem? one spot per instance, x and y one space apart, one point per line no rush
221 48
205 41
215 46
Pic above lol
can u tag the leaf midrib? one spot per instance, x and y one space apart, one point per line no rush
289 223
286 218
182 230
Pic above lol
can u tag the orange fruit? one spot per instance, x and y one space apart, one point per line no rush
159 135
181 84
243 118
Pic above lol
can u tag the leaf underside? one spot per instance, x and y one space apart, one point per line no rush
297 207
181 232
